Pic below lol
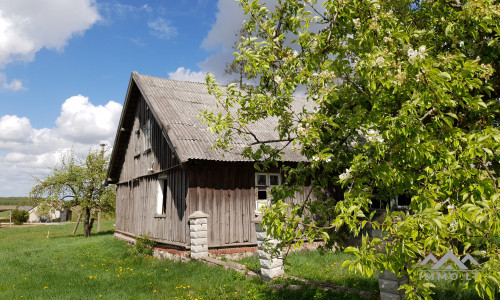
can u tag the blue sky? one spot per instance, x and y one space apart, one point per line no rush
65 68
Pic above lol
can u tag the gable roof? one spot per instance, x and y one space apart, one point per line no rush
175 106
25 208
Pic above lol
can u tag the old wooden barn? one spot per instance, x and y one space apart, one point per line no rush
164 169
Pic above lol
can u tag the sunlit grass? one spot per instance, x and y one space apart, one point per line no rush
63 266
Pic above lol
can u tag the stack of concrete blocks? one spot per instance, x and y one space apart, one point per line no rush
270 267
389 282
198 226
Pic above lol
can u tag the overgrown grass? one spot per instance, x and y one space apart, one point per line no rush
63 266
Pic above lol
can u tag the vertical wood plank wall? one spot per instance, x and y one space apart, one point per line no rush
136 194
223 190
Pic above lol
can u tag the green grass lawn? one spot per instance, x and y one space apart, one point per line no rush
326 267
63 266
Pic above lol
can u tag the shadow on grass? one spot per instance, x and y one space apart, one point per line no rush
290 289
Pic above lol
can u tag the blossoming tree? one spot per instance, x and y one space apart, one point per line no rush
407 98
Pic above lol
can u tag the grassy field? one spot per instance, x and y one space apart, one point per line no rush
101 267
47 262
5 214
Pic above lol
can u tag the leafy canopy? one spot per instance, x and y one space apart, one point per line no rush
77 181
407 101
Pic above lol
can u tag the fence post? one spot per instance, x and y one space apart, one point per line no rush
270 267
198 227
389 282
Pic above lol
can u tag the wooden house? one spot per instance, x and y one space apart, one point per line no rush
164 169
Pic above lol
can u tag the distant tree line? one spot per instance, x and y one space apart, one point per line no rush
14 201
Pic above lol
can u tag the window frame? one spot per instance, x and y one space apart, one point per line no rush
162 197
259 203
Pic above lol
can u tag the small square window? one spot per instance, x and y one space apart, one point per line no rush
262 194
274 180
261 179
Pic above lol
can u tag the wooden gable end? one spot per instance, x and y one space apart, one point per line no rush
142 146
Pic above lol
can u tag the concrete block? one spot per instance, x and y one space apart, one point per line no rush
199 255
198 221
261 235
196 228
199 242
199 248
198 234
389 286
268 274
389 296
271 263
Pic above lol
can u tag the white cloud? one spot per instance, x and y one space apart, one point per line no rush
15 129
14 85
27 26
228 22
187 75
161 28
26 151
81 121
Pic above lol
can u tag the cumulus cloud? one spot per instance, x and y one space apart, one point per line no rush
84 122
26 151
161 28
27 26
187 75
15 129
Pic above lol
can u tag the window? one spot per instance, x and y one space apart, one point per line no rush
163 195
401 201
263 184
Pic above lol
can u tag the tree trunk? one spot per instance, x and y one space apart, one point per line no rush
87 223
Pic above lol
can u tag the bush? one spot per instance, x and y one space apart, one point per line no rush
144 245
20 216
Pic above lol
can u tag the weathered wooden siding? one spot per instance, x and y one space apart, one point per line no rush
137 189
141 162
136 207
226 193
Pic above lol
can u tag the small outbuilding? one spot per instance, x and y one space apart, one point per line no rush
61 215
164 169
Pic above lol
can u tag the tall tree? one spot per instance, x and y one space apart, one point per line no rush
407 102
81 181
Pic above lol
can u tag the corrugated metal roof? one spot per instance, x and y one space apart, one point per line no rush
177 104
